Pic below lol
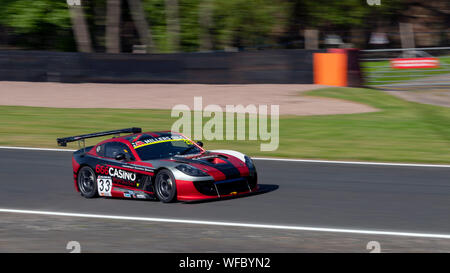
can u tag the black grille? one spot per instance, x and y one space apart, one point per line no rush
228 187
206 187
223 187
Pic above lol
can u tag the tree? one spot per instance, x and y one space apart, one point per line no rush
142 26
40 24
173 24
113 12
192 25
205 17
80 29
247 23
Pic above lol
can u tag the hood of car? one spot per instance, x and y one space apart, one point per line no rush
210 162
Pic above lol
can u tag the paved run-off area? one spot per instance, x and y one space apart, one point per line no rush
166 96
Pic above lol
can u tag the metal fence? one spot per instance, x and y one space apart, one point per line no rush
378 71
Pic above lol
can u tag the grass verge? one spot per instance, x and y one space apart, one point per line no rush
400 132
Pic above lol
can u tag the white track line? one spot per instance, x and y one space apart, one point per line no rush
231 224
353 162
36 149
273 159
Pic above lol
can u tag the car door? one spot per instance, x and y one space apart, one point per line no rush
121 172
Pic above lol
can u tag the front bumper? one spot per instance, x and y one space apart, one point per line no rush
210 189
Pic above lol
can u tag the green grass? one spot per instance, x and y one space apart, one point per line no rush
386 74
400 132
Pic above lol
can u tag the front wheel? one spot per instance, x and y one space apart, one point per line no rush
165 186
87 182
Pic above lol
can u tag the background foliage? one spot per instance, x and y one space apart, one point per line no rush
45 24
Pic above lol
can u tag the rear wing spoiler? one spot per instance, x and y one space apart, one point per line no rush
63 141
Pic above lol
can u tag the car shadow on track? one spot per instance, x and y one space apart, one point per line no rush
263 188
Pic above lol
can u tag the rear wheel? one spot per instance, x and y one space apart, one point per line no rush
87 182
165 186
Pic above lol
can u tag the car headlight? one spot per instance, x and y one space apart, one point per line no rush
249 162
189 170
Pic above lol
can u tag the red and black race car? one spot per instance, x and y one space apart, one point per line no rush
158 165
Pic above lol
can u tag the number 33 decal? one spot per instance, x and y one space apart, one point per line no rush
104 184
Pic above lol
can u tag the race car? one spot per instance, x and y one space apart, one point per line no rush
165 166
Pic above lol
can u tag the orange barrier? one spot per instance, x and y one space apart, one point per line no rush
330 69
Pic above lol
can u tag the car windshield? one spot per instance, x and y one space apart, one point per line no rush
164 147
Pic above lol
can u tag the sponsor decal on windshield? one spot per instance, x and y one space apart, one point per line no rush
149 141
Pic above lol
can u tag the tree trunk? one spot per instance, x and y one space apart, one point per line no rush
205 22
113 12
142 26
173 24
80 29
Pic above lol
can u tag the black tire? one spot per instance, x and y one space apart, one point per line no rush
87 182
165 186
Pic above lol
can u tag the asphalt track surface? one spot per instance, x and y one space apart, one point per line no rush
396 198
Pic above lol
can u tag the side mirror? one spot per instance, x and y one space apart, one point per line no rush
120 157
199 143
